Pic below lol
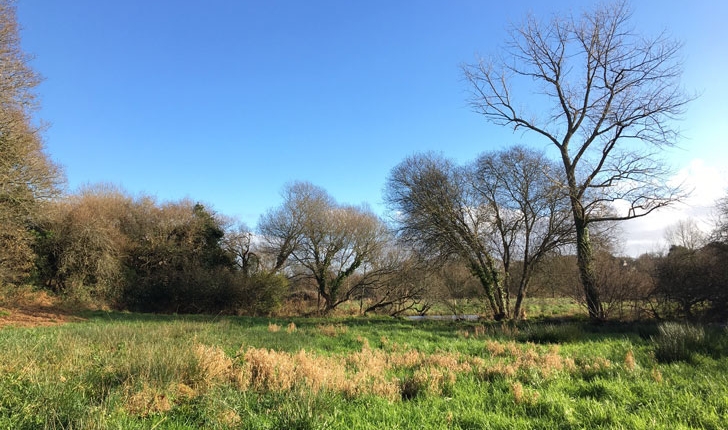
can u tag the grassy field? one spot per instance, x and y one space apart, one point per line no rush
127 371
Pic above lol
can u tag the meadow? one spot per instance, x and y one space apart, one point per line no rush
138 371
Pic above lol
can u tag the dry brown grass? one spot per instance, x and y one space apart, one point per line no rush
269 370
629 361
479 331
319 373
291 328
502 349
656 375
597 365
213 365
148 401
332 330
229 418
512 358
524 395
518 393
371 371
475 333
274 328
183 391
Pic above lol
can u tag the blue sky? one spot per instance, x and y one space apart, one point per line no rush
226 101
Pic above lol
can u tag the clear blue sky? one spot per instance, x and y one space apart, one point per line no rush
226 101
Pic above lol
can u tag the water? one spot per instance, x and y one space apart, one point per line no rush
464 317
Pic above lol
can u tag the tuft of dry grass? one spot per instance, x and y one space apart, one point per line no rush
229 418
656 375
629 361
510 359
332 330
213 365
291 328
269 370
522 395
274 328
518 393
183 391
502 349
148 401
599 364
405 359
479 331
319 373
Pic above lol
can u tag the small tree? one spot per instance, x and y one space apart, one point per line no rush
176 261
695 280
81 244
530 211
337 246
238 243
438 213
609 96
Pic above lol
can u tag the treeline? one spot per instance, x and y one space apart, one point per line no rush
508 225
102 247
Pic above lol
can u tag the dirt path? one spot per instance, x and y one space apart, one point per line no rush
32 317
31 310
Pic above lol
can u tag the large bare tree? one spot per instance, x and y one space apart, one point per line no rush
605 97
27 176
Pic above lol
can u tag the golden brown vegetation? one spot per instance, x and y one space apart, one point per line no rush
629 361
394 374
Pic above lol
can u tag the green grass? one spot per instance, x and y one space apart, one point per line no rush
121 370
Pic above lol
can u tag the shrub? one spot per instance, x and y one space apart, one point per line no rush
678 342
263 293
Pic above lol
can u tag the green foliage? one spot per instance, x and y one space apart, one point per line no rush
138 371
678 342
263 293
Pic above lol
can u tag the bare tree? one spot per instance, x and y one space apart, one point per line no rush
81 243
438 213
281 227
720 215
531 215
404 284
335 245
610 97
687 234
27 176
239 243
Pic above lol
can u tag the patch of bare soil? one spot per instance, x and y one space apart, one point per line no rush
34 310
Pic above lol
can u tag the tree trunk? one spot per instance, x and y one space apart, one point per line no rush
585 261
493 291
522 289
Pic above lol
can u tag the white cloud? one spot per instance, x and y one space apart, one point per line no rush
707 183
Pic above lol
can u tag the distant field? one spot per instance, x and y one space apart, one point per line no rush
132 371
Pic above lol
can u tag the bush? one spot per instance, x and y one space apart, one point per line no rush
678 342
695 280
263 293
